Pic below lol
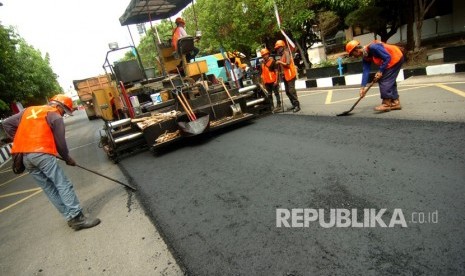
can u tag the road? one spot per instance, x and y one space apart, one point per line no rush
216 202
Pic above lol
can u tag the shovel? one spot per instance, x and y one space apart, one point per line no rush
346 113
235 107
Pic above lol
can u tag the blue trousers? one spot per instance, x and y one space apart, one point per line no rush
388 84
51 178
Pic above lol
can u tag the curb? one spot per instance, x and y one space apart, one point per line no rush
5 153
356 79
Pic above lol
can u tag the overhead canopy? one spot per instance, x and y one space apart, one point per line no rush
140 11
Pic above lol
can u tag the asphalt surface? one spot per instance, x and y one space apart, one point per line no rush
209 206
216 201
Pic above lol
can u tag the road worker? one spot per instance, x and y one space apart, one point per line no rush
389 58
180 32
289 71
269 74
39 133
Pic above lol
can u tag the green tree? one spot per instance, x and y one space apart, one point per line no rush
237 25
25 76
147 48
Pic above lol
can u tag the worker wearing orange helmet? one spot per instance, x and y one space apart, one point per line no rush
38 133
269 74
178 33
389 58
289 71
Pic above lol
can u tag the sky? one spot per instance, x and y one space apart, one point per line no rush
75 33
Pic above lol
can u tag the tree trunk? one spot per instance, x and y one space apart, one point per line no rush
418 24
303 55
410 16
421 8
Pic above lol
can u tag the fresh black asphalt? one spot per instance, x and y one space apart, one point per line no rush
215 199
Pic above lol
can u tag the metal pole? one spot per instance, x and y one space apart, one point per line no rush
99 174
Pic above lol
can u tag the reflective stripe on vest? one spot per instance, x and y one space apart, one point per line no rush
268 76
393 51
34 134
289 72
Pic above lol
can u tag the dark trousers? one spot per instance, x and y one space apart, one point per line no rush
291 93
388 84
271 88
191 55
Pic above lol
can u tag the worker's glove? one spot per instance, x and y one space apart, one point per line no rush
378 75
363 92
70 161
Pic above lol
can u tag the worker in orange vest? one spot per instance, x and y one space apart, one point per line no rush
39 133
180 32
389 58
289 71
269 76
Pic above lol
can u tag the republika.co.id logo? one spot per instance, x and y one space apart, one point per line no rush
343 218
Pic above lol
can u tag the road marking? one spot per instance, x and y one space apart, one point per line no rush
450 89
81 146
416 87
11 180
352 99
19 201
20 192
5 171
329 97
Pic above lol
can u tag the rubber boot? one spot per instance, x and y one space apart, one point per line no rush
82 222
384 106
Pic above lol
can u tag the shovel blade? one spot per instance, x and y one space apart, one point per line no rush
236 109
345 113
195 127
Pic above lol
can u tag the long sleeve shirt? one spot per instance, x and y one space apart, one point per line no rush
376 50
54 120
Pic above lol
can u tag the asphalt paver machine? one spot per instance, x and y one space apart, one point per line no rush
173 106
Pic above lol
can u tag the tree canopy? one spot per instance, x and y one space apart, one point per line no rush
25 75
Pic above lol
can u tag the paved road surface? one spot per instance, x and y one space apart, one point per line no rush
215 200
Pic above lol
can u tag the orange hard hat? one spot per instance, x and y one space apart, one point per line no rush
350 46
180 20
63 101
264 51
279 43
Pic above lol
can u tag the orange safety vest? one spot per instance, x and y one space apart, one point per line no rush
34 134
268 76
289 72
393 50
175 38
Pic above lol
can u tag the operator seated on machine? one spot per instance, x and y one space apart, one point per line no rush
178 33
